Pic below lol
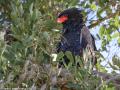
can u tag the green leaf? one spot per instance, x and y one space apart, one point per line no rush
113 67
110 88
60 55
69 56
117 21
104 42
55 30
116 61
101 3
74 2
101 31
46 35
115 35
31 9
21 10
34 16
91 1
99 12
118 40
108 37
93 6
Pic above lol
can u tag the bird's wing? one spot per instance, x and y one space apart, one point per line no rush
90 42
86 33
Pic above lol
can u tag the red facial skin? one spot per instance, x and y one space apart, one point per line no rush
62 19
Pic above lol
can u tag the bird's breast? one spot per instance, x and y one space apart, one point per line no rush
71 42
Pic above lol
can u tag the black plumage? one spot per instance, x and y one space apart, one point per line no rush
75 35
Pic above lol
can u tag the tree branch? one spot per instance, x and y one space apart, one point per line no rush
97 22
108 81
108 78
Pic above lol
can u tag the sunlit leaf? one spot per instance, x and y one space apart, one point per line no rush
115 35
93 7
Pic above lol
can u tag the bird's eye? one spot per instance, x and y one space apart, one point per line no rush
62 19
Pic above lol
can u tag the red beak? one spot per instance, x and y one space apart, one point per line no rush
62 19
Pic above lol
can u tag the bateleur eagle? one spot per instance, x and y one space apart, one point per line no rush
75 35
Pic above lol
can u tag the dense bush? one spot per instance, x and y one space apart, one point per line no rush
28 62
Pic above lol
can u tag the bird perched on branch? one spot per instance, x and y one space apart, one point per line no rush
75 35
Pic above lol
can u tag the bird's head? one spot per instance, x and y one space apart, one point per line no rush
72 20
70 15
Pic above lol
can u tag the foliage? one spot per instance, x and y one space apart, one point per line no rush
28 61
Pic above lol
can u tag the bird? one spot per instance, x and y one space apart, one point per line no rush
75 36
